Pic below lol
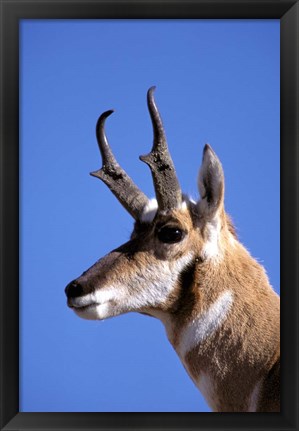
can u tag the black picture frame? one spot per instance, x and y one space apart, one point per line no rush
14 10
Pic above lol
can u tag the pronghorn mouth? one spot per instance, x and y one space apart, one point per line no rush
97 298
93 310
81 307
82 302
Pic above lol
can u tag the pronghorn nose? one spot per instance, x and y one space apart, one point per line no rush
74 289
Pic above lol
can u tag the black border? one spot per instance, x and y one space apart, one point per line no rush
14 10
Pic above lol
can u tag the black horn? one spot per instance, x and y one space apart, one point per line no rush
121 185
167 188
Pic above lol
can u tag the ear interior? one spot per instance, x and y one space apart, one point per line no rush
210 183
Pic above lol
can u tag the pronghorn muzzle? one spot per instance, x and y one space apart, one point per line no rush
83 291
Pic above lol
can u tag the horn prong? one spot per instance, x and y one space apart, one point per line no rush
167 187
111 173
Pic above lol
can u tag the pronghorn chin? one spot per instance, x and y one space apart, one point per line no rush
185 266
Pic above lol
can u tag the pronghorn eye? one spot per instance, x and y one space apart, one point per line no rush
169 234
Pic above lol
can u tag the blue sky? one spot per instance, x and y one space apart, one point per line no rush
217 82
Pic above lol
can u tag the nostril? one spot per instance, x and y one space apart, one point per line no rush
73 289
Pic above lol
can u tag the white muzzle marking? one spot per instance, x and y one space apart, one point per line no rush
143 290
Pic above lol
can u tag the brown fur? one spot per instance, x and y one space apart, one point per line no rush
242 352
240 359
271 385
244 348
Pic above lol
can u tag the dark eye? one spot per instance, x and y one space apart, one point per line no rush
170 234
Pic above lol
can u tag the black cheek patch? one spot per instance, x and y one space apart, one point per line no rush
186 297
186 277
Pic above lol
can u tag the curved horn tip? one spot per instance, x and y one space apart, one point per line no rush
105 114
102 118
151 90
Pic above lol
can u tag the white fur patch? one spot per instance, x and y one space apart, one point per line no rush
210 248
94 312
184 206
145 289
153 285
206 324
98 297
96 305
151 208
149 211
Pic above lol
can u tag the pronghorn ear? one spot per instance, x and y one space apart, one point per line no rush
210 184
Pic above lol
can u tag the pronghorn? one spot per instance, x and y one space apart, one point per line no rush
185 266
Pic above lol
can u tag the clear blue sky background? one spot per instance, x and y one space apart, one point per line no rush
217 82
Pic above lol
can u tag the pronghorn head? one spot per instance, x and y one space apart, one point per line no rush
171 234
185 266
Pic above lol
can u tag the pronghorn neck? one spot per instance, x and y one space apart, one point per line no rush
213 327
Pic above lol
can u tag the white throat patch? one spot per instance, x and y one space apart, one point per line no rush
206 324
